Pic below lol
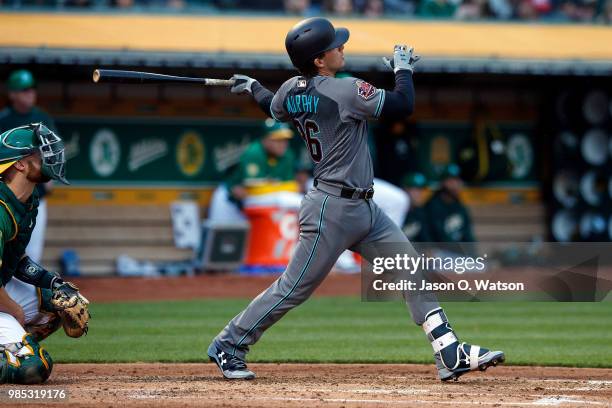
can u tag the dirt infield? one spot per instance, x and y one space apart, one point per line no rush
204 286
326 385
300 385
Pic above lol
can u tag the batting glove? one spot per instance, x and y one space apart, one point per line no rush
403 59
243 84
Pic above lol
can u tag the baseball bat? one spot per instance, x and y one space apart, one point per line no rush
136 77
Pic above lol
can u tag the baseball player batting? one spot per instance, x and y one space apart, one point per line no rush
331 116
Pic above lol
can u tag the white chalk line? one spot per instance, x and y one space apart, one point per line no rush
594 382
398 377
562 400
542 401
425 391
575 389
411 391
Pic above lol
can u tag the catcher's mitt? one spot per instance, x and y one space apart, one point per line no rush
73 308
65 295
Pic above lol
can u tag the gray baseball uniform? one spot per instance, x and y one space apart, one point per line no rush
331 116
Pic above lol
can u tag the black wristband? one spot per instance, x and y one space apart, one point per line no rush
30 272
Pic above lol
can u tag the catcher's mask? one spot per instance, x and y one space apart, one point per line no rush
26 140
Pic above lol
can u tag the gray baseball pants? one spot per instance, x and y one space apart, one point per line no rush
328 225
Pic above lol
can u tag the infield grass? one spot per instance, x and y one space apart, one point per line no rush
343 330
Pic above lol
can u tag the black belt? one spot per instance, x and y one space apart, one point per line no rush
344 191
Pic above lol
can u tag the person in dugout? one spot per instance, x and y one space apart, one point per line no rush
21 111
415 225
265 160
448 218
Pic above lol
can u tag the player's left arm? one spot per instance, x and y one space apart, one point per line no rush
31 272
270 103
399 103
262 95
360 100
66 299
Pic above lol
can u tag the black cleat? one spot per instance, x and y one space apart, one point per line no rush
469 358
232 367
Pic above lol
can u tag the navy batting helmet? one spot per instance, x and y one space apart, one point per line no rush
312 37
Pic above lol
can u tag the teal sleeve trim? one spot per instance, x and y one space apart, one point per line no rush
381 102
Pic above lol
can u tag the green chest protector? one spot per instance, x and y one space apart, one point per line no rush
22 216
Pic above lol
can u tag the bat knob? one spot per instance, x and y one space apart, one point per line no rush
96 75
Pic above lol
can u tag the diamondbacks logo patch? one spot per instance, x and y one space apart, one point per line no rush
365 90
301 83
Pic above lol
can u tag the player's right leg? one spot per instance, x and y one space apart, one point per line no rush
328 225
453 358
40 318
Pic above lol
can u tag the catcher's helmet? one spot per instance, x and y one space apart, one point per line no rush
312 37
26 140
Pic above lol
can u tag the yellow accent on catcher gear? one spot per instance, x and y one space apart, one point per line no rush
42 357
8 209
5 166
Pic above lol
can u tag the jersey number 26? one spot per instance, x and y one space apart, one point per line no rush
308 132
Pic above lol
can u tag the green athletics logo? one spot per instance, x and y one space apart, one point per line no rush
453 225
520 155
104 152
190 153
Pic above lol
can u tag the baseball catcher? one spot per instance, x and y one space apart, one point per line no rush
331 115
33 301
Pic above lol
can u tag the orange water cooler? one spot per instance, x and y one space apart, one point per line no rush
273 216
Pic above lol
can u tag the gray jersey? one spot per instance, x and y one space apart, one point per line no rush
330 114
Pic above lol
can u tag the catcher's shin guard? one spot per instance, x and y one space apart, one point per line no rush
24 363
453 359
